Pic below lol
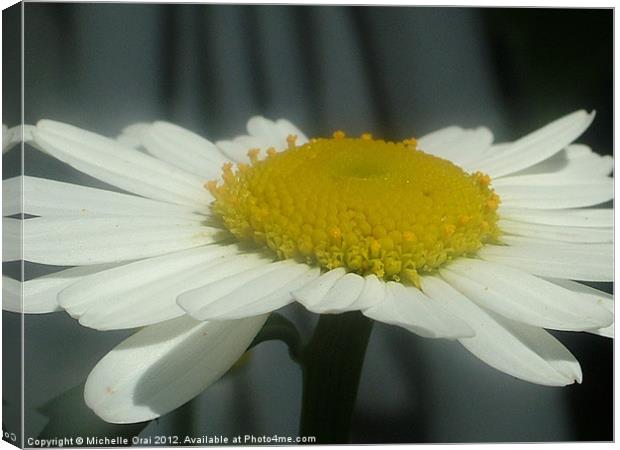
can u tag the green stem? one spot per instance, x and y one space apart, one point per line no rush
280 328
332 364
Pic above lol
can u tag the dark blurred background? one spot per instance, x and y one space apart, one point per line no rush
393 71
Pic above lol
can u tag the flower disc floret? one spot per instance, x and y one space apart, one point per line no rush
370 206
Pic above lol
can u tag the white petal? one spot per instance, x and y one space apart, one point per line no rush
12 297
546 179
94 240
409 308
184 149
163 366
587 262
607 332
342 295
259 290
457 145
274 134
568 217
264 134
373 293
6 140
119 165
582 289
539 145
41 294
312 294
43 197
523 297
243 144
267 131
437 141
143 292
275 299
133 134
12 239
605 299
234 150
13 136
576 160
12 196
556 193
250 142
287 128
539 358
234 272
557 233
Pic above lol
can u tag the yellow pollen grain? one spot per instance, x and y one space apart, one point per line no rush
290 140
368 205
411 142
483 178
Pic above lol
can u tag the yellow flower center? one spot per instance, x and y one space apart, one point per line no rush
367 205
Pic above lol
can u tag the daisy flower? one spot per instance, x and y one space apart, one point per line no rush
448 235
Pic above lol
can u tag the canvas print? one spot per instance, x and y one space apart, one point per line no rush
293 225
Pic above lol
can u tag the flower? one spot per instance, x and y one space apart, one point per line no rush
449 236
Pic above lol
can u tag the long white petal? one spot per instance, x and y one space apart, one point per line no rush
94 240
546 179
259 290
373 293
520 350
263 134
163 366
556 194
234 272
12 297
523 297
343 294
12 196
12 239
607 331
13 136
184 149
133 135
143 292
119 165
581 288
266 131
457 145
576 160
435 142
587 217
587 262
539 145
279 297
286 128
272 301
312 294
43 197
557 232
234 150
41 294
606 300
409 308
274 134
